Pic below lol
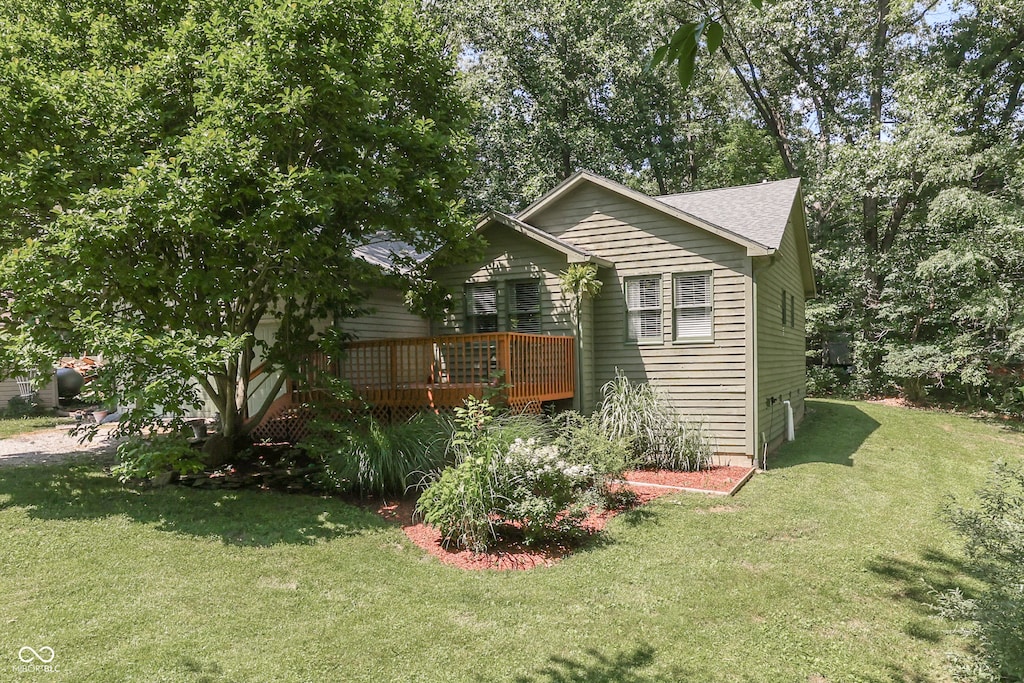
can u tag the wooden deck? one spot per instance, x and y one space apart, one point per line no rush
398 377
441 372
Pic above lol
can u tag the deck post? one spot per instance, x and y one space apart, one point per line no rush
505 364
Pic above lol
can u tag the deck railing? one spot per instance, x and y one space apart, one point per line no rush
440 372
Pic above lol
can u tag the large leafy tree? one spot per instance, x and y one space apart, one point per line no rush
565 86
904 120
172 174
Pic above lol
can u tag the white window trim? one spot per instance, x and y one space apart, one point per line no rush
513 302
660 338
709 306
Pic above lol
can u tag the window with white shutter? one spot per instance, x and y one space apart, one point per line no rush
643 307
524 306
482 308
692 303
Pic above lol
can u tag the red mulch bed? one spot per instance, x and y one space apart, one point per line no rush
717 479
516 555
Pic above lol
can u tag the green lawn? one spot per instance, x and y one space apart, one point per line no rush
12 426
818 568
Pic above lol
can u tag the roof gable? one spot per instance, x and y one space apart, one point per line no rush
753 247
753 216
573 253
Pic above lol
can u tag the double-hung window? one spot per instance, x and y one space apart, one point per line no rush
524 306
482 307
643 308
692 306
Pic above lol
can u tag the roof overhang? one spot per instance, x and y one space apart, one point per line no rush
572 253
803 244
581 177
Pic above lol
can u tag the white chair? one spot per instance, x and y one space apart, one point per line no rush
25 389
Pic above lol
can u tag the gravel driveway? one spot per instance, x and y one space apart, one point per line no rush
53 446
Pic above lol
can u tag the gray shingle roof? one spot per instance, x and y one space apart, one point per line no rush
758 212
383 251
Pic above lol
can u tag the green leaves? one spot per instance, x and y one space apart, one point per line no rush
682 47
214 165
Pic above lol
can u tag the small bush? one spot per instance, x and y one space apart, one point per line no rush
541 493
659 438
994 536
827 380
25 406
368 457
462 501
503 482
581 440
141 458
462 504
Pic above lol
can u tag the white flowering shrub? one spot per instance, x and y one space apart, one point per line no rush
505 486
543 493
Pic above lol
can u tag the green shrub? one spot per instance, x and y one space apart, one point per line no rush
461 502
916 368
994 536
541 493
25 406
144 458
502 483
508 427
368 457
582 441
827 380
659 438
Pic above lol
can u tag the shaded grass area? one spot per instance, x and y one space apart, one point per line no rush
12 426
820 567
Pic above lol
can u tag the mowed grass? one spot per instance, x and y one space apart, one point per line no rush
820 567
12 426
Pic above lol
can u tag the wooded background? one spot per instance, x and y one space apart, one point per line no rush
903 119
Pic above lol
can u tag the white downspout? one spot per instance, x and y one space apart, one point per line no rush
790 431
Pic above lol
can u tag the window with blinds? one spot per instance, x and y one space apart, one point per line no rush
692 304
524 306
643 307
482 308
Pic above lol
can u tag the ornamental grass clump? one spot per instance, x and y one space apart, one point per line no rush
658 437
369 457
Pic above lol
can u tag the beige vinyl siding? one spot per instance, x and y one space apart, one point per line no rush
47 394
510 257
388 318
781 363
703 380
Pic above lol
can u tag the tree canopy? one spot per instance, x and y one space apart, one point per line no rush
904 120
172 174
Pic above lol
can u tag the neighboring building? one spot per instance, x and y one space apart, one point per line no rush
703 296
45 395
